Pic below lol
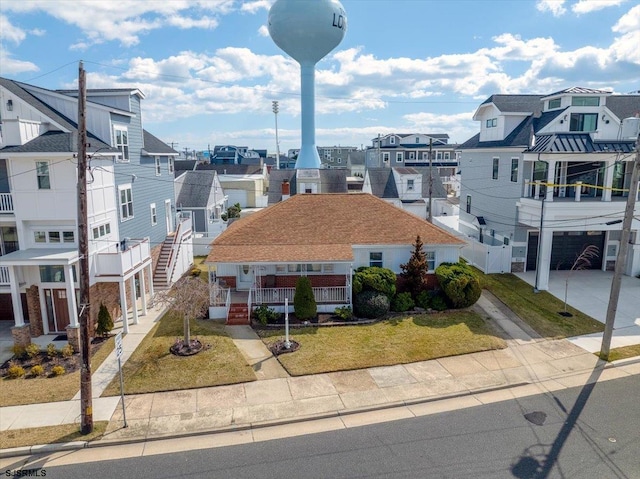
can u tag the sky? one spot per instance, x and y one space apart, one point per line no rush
210 71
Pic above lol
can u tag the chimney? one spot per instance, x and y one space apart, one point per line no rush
286 189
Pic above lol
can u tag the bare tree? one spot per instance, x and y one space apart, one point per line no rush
583 261
189 297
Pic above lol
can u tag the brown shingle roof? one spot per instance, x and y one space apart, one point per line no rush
322 227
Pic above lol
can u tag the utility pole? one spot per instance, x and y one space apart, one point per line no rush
621 259
274 107
430 178
173 144
83 249
186 153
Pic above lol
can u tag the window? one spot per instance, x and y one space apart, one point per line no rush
170 164
375 259
122 141
126 202
158 170
385 157
412 155
514 170
555 103
40 236
54 236
339 160
583 122
42 171
154 214
294 268
492 122
585 101
398 157
410 184
431 259
392 140
469 204
417 139
314 268
496 164
52 274
425 155
68 237
438 155
447 155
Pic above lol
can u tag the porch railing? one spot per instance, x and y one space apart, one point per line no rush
329 294
6 203
4 276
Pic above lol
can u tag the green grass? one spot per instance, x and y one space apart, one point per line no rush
17 392
623 352
49 435
198 262
389 342
153 368
539 310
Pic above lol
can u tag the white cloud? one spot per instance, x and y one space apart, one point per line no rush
11 32
263 31
588 6
255 6
11 66
556 7
629 22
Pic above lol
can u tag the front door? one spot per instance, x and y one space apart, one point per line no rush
245 277
57 309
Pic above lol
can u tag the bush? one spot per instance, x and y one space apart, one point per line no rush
67 351
105 322
304 303
414 271
459 283
402 302
374 278
424 299
37 371
19 351
58 370
371 304
195 271
15 371
52 352
438 302
32 350
345 313
264 314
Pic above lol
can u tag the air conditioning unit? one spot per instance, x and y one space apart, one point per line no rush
630 128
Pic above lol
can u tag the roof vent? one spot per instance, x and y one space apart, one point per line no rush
630 128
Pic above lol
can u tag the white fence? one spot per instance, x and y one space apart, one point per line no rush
489 259
329 294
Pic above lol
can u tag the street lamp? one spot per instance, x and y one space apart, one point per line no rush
274 107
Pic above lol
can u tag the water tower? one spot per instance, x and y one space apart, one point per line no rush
307 30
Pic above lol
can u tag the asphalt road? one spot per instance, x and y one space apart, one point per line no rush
588 432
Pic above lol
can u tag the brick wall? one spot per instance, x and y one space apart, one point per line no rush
229 280
517 267
35 314
319 281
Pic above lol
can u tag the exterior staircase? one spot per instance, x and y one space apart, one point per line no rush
238 314
160 279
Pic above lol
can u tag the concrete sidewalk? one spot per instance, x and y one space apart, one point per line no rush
526 365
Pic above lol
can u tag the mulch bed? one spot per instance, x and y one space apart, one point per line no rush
70 364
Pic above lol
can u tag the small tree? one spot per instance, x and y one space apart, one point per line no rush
232 212
105 322
304 303
414 272
189 298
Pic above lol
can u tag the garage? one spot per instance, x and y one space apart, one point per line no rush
236 196
566 247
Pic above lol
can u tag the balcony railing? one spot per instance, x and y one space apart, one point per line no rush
117 264
329 294
6 203
4 276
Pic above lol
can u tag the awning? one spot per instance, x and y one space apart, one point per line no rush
40 256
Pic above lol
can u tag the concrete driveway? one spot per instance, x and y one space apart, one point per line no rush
589 292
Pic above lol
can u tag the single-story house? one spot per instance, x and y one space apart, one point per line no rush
323 236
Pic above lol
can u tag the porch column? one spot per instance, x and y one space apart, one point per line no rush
150 281
123 307
551 172
608 182
16 302
71 297
143 298
543 264
134 303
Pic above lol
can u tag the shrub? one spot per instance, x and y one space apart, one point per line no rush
37 371
67 351
264 314
195 271
459 283
345 313
414 271
105 322
438 302
424 299
402 302
32 350
58 370
371 304
374 278
19 351
52 352
15 371
304 303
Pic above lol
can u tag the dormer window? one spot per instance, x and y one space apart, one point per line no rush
584 122
417 139
410 184
585 101
492 122
555 103
392 140
122 141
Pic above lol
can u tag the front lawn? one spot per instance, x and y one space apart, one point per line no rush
49 435
623 352
153 368
386 343
539 310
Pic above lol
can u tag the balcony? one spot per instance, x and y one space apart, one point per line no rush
137 253
6 203
4 276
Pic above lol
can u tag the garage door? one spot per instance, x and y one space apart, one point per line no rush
237 196
566 247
